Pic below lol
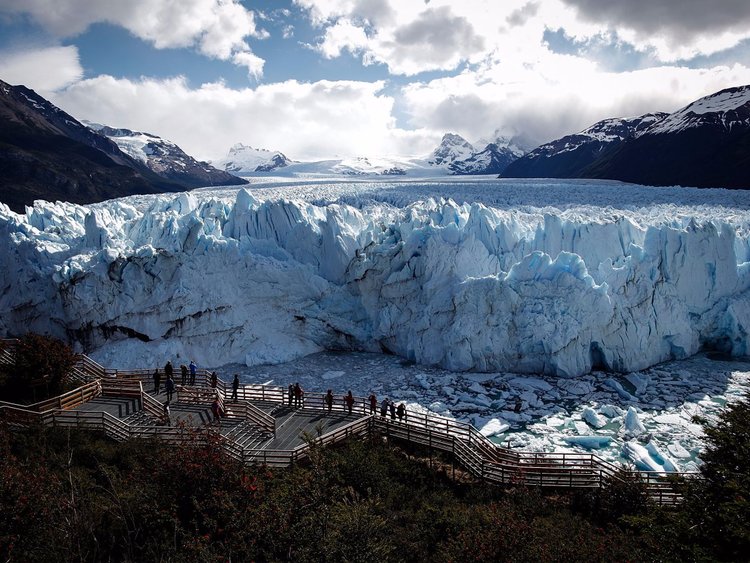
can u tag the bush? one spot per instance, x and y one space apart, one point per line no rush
41 369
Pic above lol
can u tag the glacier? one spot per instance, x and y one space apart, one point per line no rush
556 278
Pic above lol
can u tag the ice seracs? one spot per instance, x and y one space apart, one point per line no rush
462 286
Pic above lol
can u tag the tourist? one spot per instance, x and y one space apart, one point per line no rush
193 369
216 409
168 371
384 407
298 393
169 386
373 403
183 374
392 409
157 381
349 401
290 396
329 400
214 380
235 386
401 411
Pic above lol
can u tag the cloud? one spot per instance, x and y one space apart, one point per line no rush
676 29
215 28
408 37
560 95
304 120
45 69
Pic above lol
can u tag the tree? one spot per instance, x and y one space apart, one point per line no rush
720 505
41 366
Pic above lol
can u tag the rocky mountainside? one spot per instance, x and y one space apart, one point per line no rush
704 144
568 156
47 154
166 159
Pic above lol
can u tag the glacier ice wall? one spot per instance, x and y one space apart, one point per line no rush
466 287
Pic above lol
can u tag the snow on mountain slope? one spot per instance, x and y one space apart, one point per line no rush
726 109
464 286
165 158
452 147
244 159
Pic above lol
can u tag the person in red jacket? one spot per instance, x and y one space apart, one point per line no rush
373 403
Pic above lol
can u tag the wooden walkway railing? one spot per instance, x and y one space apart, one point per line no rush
468 447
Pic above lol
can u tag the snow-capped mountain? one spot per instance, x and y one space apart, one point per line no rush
568 156
458 156
452 148
244 159
166 159
704 144
48 154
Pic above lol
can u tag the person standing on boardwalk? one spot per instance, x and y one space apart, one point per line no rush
157 381
168 371
349 401
167 415
290 396
373 403
183 374
214 379
216 409
235 386
401 411
392 408
193 369
384 407
298 392
169 386
329 400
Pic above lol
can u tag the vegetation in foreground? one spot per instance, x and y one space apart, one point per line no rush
76 495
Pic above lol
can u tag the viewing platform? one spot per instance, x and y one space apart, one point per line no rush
262 427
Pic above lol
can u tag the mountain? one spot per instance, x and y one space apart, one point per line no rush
568 156
47 154
460 157
244 159
166 159
704 144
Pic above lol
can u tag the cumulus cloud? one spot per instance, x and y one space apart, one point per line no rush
408 37
305 120
45 69
674 28
561 96
215 28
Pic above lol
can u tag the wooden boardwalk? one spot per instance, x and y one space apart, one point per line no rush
261 427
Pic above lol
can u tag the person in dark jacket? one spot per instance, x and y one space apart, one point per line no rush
157 381
401 411
193 370
349 401
214 379
392 409
373 403
183 374
329 400
168 371
235 386
384 407
169 387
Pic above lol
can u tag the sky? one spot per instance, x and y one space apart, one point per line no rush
324 78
